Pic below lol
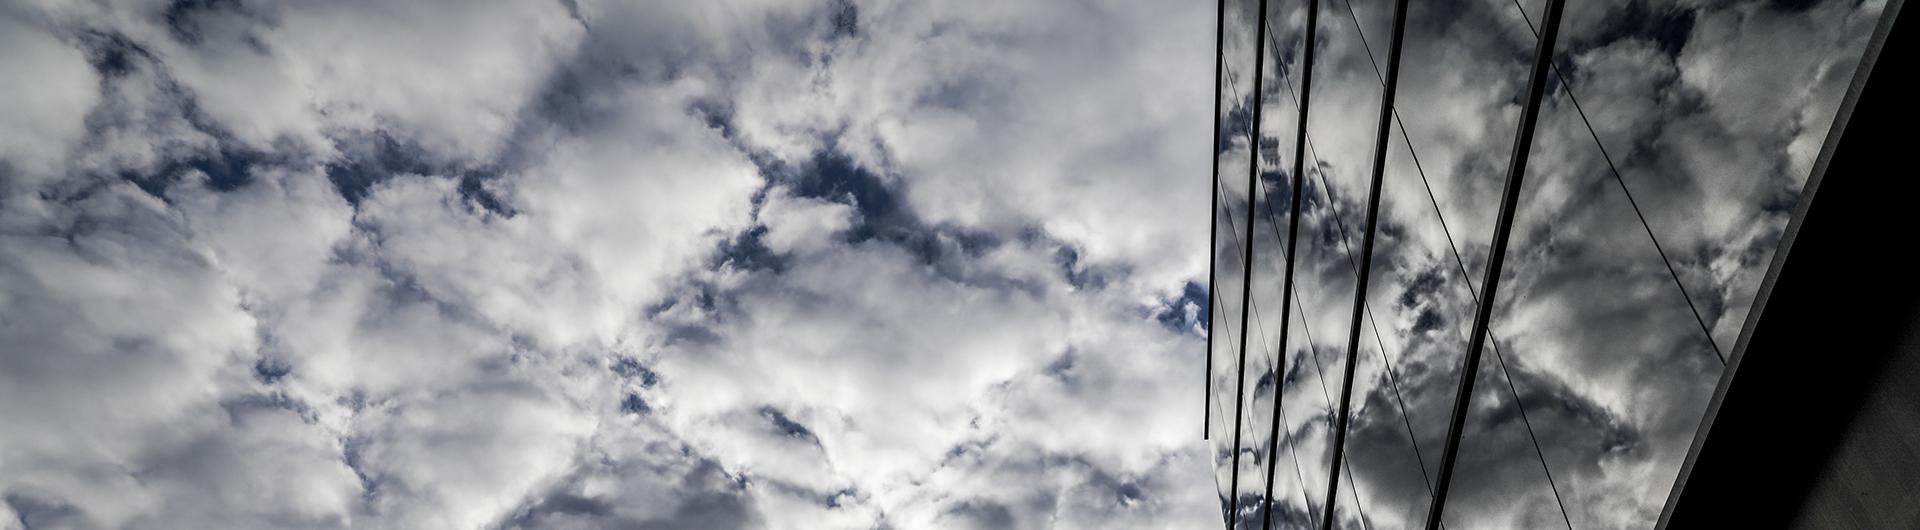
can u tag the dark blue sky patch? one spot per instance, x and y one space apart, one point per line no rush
237 408
971 243
1276 200
1792 6
829 499
569 504
704 297
1235 121
845 17
748 251
704 506
1437 16
972 450
980 91
631 368
1669 28
371 159
1428 321
1062 367
1066 258
112 55
882 214
1295 373
1289 516
1078 275
787 426
476 197
691 334
634 404
355 400
1391 233
983 514
351 451
270 370
1563 418
185 17
227 169
1326 221
883 217
1248 513
567 101
1129 492
1267 379
717 510
1421 287
1270 151
228 164
834 176
834 499
658 308
957 451
1780 203
1236 109
1122 492
41 512
1174 316
718 115
400 287
692 307
573 11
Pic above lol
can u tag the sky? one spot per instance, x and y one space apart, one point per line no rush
529 264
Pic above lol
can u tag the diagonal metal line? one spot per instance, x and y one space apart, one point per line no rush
1253 308
1324 393
1279 381
1230 505
1496 256
1213 229
1365 269
1279 373
1246 288
1279 377
1468 278
1399 399
1675 274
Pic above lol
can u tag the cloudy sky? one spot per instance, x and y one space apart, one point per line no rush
531 264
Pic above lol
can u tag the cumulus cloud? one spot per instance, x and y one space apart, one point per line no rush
51 88
583 264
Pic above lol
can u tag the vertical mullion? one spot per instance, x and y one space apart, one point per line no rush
1496 256
1293 234
1366 257
1213 225
1246 285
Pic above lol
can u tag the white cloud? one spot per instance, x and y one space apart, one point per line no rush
50 87
120 343
803 225
1004 115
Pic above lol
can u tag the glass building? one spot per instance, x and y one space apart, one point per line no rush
1508 299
